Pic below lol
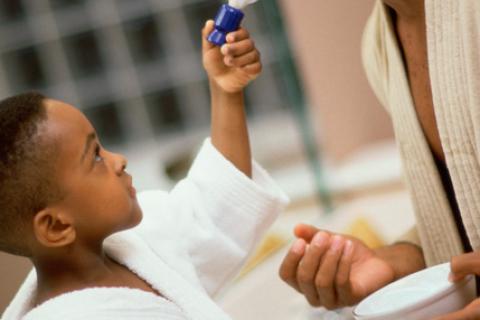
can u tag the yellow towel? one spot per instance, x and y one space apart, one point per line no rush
361 229
270 244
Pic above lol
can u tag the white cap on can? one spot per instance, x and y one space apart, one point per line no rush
240 4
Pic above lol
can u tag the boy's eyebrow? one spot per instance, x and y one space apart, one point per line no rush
90 138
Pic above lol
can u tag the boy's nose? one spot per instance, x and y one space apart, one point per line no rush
120 164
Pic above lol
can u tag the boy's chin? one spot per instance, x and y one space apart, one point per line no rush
137 217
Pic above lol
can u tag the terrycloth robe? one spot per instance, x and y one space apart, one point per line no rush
453 39
190 243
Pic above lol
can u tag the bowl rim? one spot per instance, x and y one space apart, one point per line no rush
417 305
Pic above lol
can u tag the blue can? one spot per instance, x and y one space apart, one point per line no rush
228 19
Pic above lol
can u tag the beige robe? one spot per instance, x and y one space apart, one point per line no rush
453 37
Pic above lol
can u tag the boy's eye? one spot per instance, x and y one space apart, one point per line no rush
97 156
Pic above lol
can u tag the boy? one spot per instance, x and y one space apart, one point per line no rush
62 195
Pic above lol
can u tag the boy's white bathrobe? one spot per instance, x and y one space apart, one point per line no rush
191 242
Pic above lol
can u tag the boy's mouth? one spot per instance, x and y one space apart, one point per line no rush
131 189
133 192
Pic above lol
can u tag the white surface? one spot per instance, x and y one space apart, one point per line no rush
419 293
389 215
375 165
372 165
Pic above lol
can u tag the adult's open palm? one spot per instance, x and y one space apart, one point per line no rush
333 270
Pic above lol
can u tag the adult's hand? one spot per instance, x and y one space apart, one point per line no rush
463 265
333 270
470 312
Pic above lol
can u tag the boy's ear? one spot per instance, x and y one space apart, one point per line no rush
53 228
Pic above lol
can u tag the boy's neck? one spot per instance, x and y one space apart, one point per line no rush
60 274
83 270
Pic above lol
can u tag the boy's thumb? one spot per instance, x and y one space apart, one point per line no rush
207 29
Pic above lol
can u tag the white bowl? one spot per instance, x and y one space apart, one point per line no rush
419 296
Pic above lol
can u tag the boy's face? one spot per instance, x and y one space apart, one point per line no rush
99 196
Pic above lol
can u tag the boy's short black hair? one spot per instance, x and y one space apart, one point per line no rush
27 182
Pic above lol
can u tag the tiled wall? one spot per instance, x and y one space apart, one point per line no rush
133 66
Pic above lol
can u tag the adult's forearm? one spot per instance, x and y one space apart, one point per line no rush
405 258
229 131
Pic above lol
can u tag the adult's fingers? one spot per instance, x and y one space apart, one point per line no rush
464 314
465 264
470 312
325 281
289 266
342 281
305 231
307 270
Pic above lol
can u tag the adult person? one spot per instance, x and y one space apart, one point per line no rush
422 58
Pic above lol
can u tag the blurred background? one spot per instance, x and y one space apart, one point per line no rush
134 68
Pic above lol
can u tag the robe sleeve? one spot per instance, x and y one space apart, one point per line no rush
374 55
206 227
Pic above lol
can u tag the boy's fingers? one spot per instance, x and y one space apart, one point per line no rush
242 61
253 69
308 268
325 281
207 29
465 264
238 48
289 266
239 35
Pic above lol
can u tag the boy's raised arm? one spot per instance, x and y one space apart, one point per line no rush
229 70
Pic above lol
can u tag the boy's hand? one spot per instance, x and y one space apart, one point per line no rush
333 270
235 64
